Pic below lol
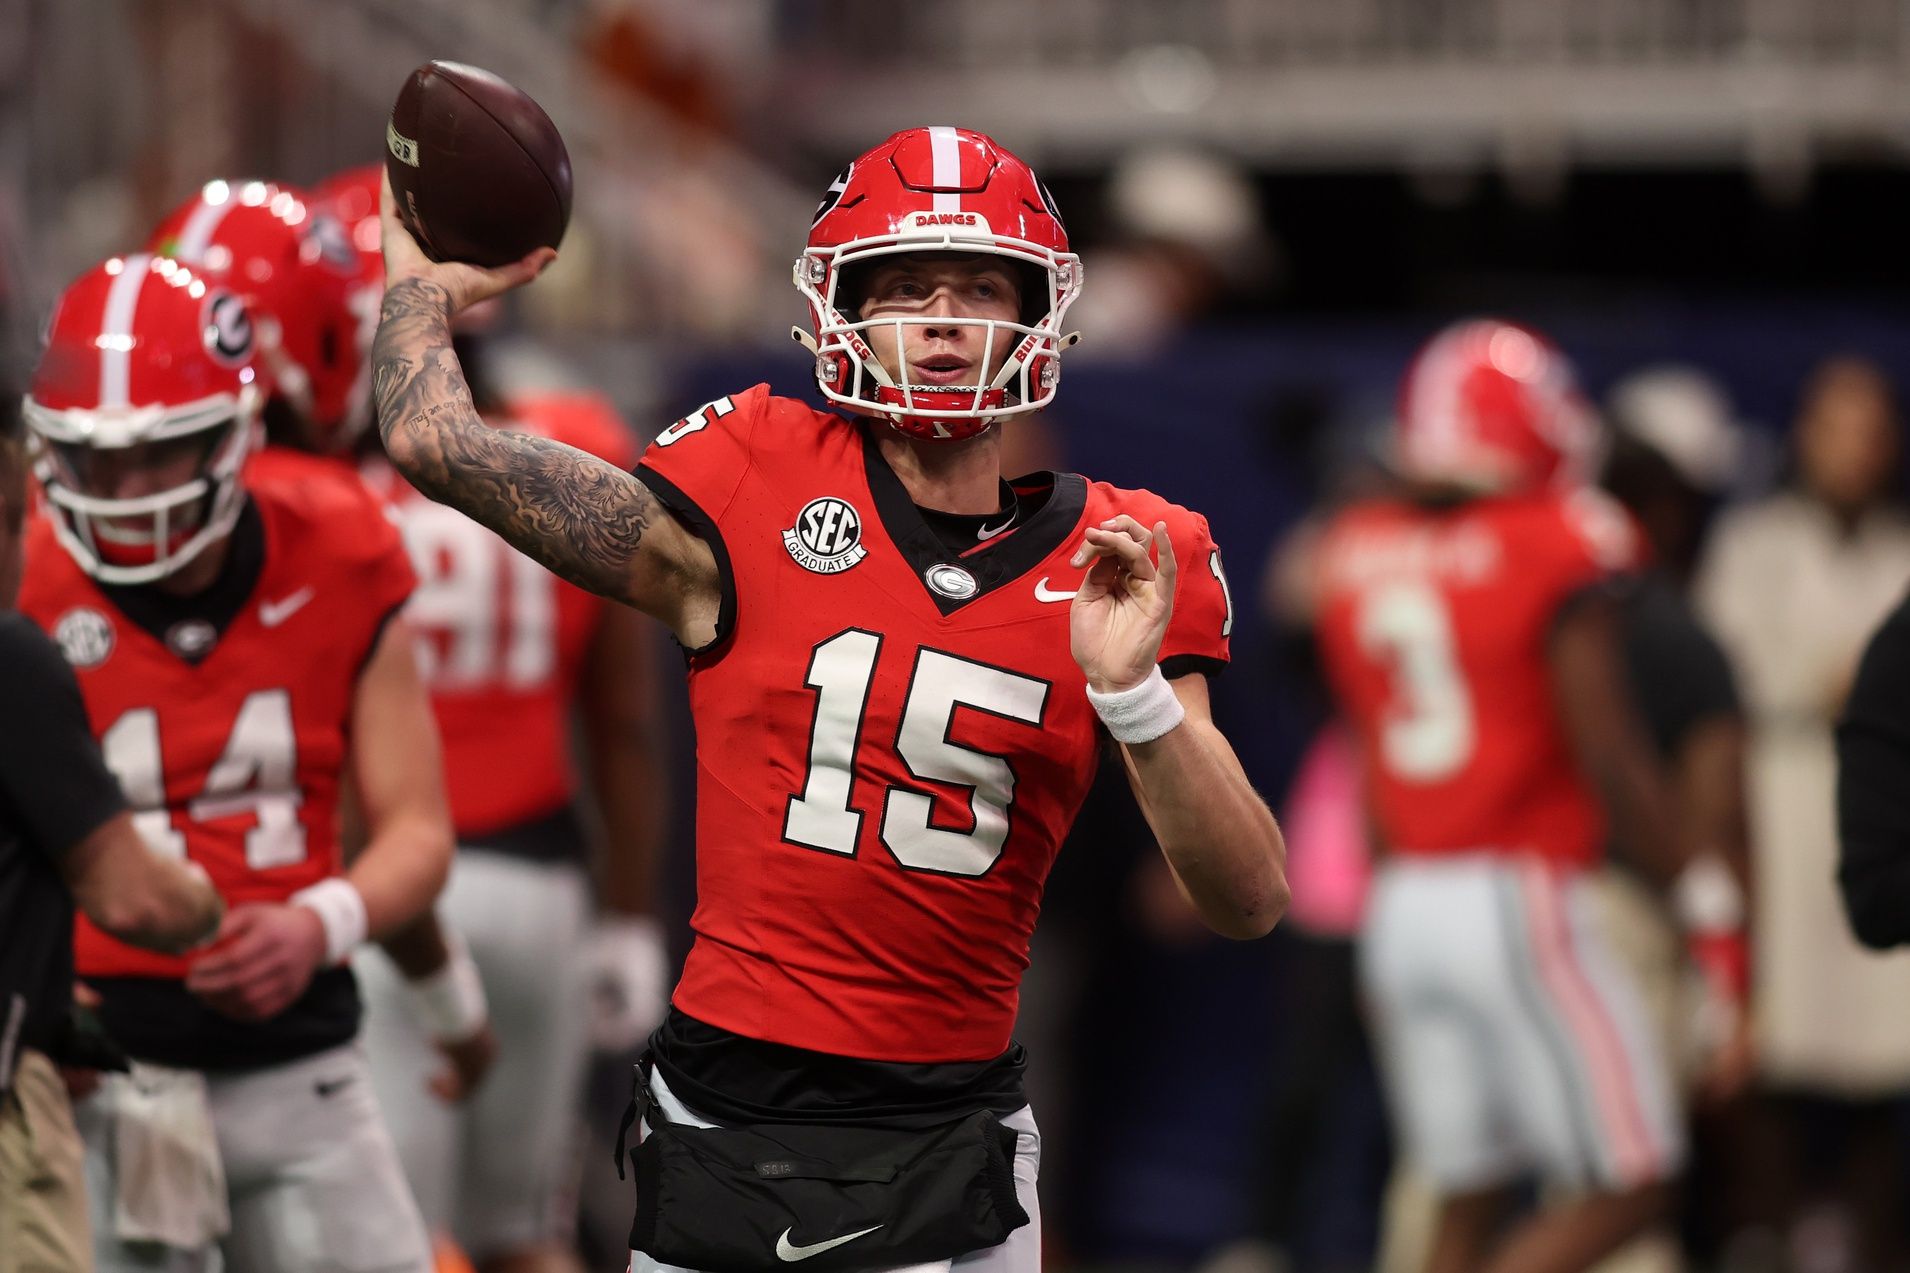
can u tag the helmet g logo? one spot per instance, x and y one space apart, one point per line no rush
833 195
827 536
228 329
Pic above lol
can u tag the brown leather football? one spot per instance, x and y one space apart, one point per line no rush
479 171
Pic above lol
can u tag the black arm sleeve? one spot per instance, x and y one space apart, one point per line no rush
1873 789
51 773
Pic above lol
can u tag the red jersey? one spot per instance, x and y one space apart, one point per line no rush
228 733
892 737
1433 626
501 639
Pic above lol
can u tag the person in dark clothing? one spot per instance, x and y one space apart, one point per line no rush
65 837
1873 796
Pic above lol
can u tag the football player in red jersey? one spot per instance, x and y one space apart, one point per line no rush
900 667
294 265
1467 640
513 657
241 658
304 281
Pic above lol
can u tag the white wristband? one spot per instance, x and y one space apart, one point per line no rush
1706 897
450 1002
1139 714
341 909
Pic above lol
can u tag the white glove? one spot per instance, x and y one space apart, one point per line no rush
629 970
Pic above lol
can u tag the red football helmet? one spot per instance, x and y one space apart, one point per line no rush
1492 406
147 375
352 197
294 264
939 190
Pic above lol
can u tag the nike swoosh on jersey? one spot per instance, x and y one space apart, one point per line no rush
987 533
273 613
790 1253
1044 593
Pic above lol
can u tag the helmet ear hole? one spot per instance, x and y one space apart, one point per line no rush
852 287
1034 292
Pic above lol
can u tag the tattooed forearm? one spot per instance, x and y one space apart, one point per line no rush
581 517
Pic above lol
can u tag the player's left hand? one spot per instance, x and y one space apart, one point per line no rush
1731 1062
467 1061
1120 612
629 970
263 959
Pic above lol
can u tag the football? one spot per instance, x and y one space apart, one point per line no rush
479 171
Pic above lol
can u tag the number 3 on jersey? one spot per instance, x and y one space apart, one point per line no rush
1429 733
256 773
841 671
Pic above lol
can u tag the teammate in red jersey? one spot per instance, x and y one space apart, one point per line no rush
1466 637
295 266
517 662
293 262
900 668
241 658
515 658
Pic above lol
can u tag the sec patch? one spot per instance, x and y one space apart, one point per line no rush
827 536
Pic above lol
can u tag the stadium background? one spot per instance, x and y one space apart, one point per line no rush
1291 194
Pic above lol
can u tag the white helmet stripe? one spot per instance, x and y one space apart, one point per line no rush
946 150
196 234
1436 408
116 330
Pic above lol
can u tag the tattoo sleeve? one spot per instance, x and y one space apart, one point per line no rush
579 516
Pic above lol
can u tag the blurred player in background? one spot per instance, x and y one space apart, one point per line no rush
515 657
294 265
899 672
1469 637
242 657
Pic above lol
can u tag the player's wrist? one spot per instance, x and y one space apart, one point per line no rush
450 1002
1139 713
1710 906
340 909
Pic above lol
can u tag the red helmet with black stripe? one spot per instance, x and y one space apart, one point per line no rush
939 190
142 409
293 262
1489 405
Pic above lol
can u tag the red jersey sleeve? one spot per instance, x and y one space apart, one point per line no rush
1203 621
374 567
699 461
1593 541
386 571
696 466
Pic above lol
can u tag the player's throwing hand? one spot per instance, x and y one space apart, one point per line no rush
1120 612
464 285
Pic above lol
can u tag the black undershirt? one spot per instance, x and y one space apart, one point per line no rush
962 532
727 1078
190 626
